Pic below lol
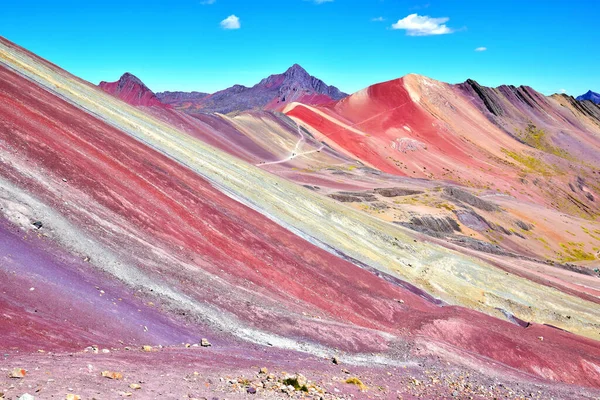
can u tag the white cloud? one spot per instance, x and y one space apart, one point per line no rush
481 49
418 25
378 19
322 1
208 2
231 22
563 91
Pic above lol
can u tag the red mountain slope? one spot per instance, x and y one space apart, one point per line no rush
131 90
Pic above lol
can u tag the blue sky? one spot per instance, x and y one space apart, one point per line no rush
184 45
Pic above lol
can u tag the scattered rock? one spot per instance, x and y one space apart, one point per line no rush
27 396
301 379
251 390
472 220
396 192
352 197
463 196
18 373
355 381
72 396
296 382
312 187
112 375
147 348
432 226
523 225
135 386
335 360
93 349
205 343
37 224
263 371
541 338
479 245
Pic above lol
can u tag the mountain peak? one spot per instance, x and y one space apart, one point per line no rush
129 77
273 93
295 69
132 90
591 96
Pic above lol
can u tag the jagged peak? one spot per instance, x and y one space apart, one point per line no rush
295 69
129 77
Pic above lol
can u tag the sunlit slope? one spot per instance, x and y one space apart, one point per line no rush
445 274
509 140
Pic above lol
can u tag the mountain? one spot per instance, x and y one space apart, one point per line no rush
591 96
154 237
132 90
500 139
273 92
180 99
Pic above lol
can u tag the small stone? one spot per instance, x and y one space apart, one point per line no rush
72 396
147 348
301 379
125 394
27 396
251 390
455 393
541 338
112 375
135 386
263 371
205 343
37 224
105 351
335 360
18 373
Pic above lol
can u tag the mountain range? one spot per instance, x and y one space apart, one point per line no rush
591 96
272 93
415 239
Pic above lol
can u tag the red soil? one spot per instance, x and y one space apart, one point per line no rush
132 91
263 273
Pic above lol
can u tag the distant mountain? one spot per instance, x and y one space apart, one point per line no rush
274 92
592 96
132 90
179 98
